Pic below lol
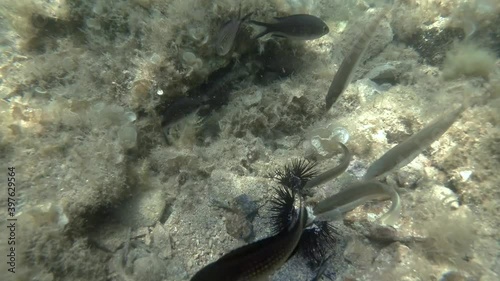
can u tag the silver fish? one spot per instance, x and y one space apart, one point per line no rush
333 207
258 260
344 74
300 26
403 153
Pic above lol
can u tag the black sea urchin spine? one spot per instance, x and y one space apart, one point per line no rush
295 175
282 209
318 241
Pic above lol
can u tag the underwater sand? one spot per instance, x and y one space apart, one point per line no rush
105 192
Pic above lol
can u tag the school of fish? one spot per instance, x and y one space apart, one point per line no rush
261 259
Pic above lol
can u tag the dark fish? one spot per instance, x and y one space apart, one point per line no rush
224 41
301 26
257 260
403 153
206 97
344 74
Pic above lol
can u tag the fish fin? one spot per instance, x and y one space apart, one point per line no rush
261 34
246 17
278 35
392 216
259 23
284 17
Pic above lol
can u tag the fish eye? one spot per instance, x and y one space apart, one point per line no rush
325 29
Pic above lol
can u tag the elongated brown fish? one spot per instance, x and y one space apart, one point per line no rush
300 26
403 153
344 74
257 260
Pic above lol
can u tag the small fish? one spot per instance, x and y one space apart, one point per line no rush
333 207
344 74
403 153
224 41
258 260
300 26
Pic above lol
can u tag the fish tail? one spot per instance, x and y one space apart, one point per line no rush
263 24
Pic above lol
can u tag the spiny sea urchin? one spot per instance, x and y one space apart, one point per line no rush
295 175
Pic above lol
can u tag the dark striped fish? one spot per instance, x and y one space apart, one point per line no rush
257 260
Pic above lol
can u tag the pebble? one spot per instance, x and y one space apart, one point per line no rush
143 210
446 196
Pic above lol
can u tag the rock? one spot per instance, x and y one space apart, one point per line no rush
143 210
382 233
150 268
385 72
359 252
239 227
393 255
446 196
45 214
383 36
388 72
452 276
241 212
176 270
161 240
245 205
368 89
110 236
433 43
